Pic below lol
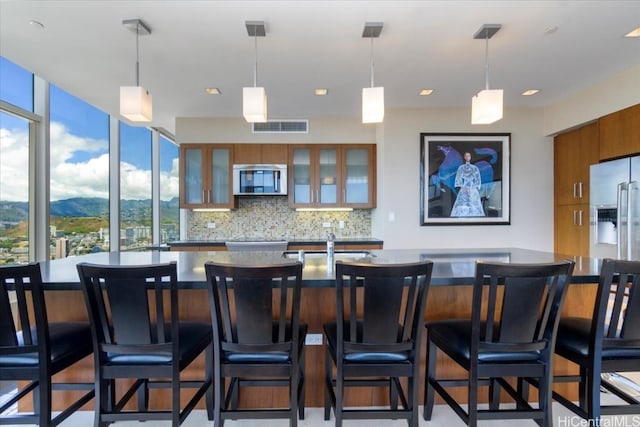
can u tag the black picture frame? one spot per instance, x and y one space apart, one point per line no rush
481 195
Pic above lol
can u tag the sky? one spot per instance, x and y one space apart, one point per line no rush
79 150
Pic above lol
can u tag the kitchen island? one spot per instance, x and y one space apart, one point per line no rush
449 297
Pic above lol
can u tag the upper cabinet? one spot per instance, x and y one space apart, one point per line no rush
260 154
332 176
574 152
620 133
206 176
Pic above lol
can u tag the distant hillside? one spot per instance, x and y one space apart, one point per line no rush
90 207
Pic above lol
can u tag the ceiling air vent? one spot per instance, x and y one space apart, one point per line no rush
282 126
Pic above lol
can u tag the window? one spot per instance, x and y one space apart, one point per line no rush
79 188
14 189
135 187
16 85
169 191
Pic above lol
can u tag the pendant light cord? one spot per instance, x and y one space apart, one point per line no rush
138 54
255 66
372 64
486 61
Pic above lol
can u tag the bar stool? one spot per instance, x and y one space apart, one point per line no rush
258 336
511 333
379 345
607 342
137 335
34 350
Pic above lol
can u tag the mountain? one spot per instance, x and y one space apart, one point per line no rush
89 207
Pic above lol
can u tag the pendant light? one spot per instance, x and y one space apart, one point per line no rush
486 106
135 101
254 99
372 97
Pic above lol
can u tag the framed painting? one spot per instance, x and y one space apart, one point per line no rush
464 178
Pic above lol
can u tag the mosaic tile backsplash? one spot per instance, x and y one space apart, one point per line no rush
271 218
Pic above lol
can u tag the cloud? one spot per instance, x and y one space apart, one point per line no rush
86 177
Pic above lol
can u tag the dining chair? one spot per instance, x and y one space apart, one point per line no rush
32 350
604 344
140 341
511 334
375 339
258 337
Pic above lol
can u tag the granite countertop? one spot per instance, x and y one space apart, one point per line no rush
296 241
451 266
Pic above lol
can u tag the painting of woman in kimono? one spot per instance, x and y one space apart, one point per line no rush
468 182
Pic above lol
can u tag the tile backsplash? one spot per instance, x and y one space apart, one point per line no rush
271 218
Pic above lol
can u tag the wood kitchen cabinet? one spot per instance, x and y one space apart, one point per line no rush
260 154
574 152
572 229
206 176
620 133
326 176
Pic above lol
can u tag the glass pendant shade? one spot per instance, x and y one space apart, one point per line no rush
372 104
254 104
486 107
135 104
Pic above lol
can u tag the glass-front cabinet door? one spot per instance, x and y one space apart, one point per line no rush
314 176
206 176
359 176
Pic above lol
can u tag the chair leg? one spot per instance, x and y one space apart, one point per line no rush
209 396
429 392
593 396
143 395
218 398
523 391
393 393
42 400
545 393
175 399
494 394
293 397
339 395
412 399
328 385
473 399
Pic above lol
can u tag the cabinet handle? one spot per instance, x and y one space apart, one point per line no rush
580 217
574 217
317 196
204 196
574 190
580 192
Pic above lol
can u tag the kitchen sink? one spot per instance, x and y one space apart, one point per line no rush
345 254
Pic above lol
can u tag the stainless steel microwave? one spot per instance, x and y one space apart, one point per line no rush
260 180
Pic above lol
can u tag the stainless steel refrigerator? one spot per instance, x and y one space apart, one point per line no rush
615 209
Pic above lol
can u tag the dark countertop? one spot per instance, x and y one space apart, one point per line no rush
297 241
451 266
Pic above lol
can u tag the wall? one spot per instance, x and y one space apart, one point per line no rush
399 187
614 94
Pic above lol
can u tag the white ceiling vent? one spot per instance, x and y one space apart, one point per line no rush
282 126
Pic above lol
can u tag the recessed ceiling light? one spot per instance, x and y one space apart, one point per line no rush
213 91
530 92
633 33
321 91
425 92
37 24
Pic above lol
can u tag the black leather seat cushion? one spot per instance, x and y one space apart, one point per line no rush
454 338
331 332
268 357
573 341
65 338
194 336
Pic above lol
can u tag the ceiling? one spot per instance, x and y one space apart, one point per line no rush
557 46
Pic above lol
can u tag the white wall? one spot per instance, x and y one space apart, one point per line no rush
611 95
399 186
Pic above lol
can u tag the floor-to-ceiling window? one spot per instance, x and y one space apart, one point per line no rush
135 188
79 176
16 90
55 156
169 191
